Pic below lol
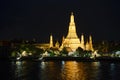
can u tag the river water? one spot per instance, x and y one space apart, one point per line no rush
59 70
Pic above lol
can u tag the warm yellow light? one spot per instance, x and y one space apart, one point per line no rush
72 39
73 71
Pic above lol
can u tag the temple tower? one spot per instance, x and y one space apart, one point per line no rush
82 44
51 41
90 43
89 46
72 39
72 28
57 44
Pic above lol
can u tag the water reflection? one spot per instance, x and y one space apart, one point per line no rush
50 71
64 70
24 70
18 70
71 71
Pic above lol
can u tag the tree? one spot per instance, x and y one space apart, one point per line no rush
64 51
80 51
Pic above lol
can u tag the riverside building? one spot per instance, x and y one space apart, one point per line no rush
72 41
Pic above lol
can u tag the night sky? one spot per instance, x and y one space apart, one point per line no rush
29 19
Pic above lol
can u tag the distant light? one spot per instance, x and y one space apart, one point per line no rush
18 63
42 64
63 62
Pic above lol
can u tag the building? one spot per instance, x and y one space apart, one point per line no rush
72 41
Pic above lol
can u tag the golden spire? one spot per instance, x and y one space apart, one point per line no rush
90 43
82 41
87 46
57 44
72 18
82 38
51 41
72 28
72 39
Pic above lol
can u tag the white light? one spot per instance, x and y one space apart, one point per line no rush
63 62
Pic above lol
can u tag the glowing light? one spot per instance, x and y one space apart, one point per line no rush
42 65
71 69
72 39
63 62
45 54
95 54
18 63
24 53
51 41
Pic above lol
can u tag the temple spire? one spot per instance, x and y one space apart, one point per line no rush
90 43
72 28
72 18
72 39
82 42
51 41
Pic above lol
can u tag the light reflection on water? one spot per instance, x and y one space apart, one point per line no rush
71 71
64 70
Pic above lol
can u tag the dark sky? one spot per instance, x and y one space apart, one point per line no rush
28 19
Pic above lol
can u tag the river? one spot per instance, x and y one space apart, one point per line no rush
59 70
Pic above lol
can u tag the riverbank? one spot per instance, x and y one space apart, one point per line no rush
82 59
68 58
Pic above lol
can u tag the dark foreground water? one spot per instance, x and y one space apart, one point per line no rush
59 70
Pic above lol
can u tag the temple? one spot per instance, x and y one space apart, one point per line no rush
72 41
51 41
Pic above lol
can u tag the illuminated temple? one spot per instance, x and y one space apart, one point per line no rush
72 41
